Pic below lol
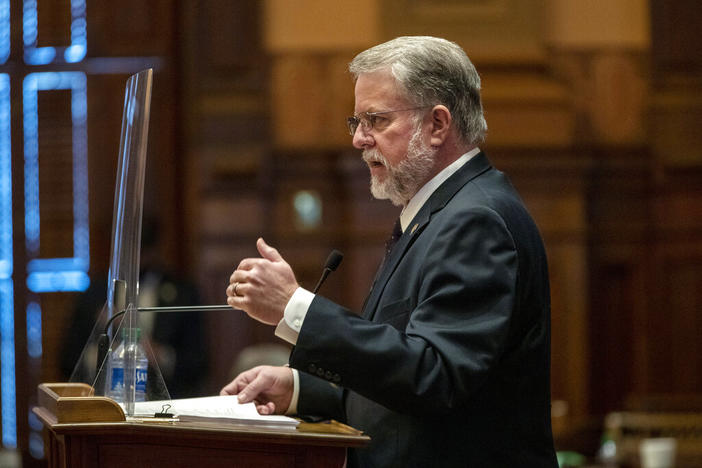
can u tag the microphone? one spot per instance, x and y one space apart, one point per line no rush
333 261
119 295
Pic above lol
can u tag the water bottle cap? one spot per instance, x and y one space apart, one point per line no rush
125 330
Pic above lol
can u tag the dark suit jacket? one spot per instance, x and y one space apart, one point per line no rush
449 365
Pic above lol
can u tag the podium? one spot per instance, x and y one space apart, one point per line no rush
86 431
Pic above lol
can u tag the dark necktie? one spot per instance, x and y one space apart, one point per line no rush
389 244
396 233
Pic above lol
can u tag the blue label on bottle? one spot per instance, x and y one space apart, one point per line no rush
117 383
117 379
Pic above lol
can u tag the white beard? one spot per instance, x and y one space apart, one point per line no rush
404 180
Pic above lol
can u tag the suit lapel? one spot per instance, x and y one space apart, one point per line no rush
476 166
384 274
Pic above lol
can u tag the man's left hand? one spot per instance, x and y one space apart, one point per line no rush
262 287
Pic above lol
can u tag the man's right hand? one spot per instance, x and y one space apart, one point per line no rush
270 388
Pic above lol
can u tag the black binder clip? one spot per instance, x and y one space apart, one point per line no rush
164 412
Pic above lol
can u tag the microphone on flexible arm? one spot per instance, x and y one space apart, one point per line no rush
119 299
333 261
119 295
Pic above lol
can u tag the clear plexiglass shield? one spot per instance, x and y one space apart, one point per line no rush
117 360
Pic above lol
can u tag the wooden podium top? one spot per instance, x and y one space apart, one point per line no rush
89 431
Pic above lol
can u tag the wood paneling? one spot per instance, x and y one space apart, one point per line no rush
676 43
55 142
131 28
226 38
54 23
226 122
673 348
491 31
526 109
619 240
312 94
554 186
682 358
291 27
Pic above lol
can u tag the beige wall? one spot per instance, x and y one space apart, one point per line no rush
599 24
318 26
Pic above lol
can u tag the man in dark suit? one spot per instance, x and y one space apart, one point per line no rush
449 363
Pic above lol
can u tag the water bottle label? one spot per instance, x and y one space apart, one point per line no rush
117 379
141 380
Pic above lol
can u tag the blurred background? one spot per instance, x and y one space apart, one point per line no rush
591 108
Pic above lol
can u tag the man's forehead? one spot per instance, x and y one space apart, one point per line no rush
376 91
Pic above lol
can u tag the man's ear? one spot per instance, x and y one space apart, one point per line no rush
440 125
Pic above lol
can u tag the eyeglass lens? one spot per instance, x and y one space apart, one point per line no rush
352 123
367 119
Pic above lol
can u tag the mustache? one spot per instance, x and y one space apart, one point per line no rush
374 156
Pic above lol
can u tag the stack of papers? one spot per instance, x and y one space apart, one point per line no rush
225 409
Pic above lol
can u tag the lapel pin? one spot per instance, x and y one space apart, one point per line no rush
414 228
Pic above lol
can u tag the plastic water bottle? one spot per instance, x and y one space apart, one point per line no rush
118 360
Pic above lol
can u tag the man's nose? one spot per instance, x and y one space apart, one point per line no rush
362 139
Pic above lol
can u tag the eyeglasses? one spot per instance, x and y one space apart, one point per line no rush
368 120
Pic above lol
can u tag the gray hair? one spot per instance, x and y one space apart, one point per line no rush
432 71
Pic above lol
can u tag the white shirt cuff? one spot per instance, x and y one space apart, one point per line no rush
294 315
292 409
